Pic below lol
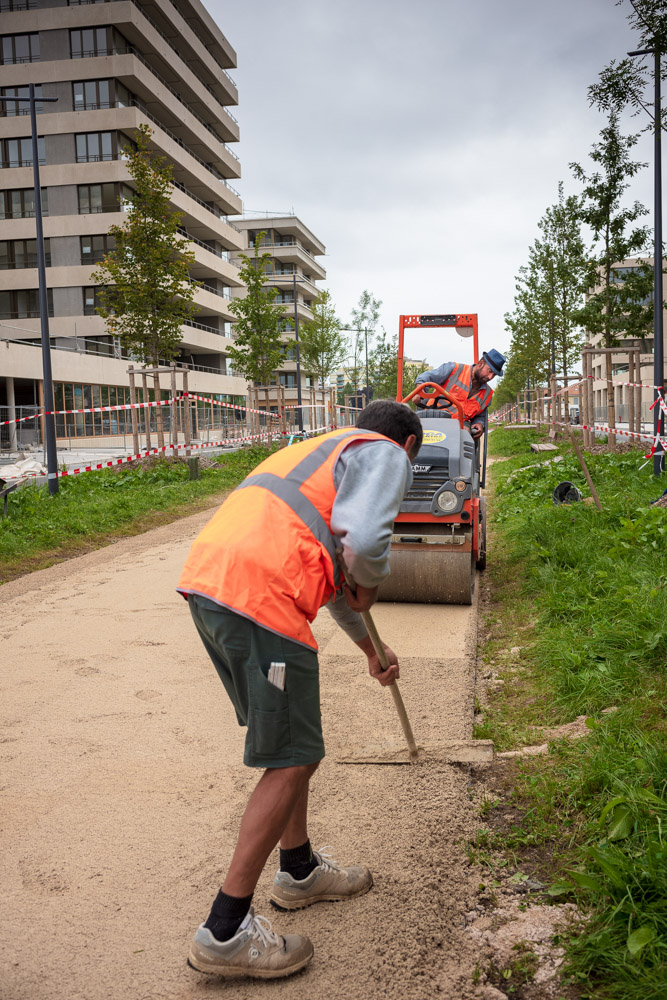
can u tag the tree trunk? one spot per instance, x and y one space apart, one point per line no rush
158 409
611 403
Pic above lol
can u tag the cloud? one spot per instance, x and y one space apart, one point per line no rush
421 142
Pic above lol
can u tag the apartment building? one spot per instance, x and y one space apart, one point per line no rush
641 348
294 250
112 65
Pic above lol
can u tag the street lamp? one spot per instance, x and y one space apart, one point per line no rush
49 418
658 344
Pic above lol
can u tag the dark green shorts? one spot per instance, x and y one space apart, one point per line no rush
284 727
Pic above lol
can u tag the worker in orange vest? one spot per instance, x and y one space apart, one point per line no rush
256 576
468 384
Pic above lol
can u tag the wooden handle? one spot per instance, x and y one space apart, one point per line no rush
583 465
378 646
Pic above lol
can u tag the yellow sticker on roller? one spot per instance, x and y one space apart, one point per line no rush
430 437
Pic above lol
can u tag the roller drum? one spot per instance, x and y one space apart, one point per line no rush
429 575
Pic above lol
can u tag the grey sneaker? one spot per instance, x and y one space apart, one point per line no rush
253 951
326 882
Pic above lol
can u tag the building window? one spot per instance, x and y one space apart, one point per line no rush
90 95
12 109
86 43
18 152
20 48
288 351
95 198
91 300
8 5
95 248
288 379
23 303
16 254
91 147
20 204
70 396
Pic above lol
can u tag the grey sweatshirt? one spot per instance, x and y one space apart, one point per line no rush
371 479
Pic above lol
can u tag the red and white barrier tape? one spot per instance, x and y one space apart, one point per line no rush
92 409
229 406
138 406
145 454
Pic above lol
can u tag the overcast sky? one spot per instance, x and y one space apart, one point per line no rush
421 141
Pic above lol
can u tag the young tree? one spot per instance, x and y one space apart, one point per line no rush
383 365
549 292
561 259
322 346
616 295
364 322
147 294
258 349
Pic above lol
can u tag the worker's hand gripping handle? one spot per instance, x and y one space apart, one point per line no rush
378 646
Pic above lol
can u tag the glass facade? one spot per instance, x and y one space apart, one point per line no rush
20 204
23 303
73 396
19 48
21 253
18 152
96 198
14 108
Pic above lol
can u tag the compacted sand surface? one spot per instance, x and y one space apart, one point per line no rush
122 789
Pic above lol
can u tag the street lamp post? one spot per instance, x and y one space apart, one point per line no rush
299 410
49 418
658 343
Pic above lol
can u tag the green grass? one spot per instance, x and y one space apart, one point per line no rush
95 508
588 589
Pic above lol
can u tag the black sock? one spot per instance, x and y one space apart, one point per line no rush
298 861
227 914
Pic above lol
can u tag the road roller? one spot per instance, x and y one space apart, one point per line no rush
439 535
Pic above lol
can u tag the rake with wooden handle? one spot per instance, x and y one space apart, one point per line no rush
378 646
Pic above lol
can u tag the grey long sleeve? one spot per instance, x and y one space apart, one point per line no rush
439 375
371 479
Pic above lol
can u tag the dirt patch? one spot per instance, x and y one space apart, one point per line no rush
123 789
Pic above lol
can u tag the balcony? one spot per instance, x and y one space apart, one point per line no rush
180 69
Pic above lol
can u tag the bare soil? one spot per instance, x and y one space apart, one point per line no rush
123 787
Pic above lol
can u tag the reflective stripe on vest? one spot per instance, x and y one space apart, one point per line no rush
456 380
269 553
288 490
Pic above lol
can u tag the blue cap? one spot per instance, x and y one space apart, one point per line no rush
495 360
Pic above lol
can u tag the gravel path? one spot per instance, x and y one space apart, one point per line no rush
122 789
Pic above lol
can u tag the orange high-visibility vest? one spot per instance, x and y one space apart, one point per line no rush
268 553
458 385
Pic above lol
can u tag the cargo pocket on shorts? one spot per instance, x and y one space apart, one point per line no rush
269 732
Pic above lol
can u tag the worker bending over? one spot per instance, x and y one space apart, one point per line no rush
469 385
255 577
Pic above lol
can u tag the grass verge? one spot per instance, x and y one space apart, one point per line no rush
96 508
576 625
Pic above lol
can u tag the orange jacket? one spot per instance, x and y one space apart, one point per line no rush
458 385
268 552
